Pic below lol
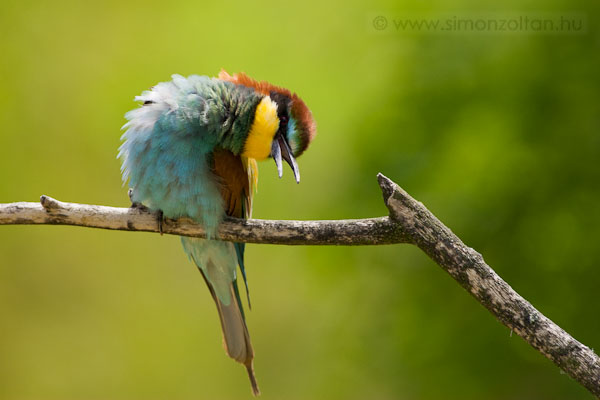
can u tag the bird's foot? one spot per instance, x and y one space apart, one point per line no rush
160 217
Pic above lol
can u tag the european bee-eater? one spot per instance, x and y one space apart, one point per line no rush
189 151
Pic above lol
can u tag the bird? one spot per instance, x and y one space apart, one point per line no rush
191 149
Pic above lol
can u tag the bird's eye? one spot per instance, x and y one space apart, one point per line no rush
284 119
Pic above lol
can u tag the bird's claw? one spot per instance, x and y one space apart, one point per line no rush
135 204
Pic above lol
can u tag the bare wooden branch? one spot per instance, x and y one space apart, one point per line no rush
409 222
368 231
469 269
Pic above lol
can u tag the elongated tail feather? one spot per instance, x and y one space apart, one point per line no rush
236 338
217 262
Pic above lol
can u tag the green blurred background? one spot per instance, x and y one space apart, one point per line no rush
497 133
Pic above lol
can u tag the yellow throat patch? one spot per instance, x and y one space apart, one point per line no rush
264 127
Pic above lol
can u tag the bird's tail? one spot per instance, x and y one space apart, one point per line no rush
236 338
214 260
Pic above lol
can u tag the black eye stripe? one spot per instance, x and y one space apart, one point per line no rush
283 103
283 121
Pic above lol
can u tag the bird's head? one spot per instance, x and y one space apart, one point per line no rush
283 126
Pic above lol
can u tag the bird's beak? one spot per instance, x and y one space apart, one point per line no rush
280 149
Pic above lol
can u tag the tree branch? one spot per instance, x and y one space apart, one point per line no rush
49 211
469 269
409 222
